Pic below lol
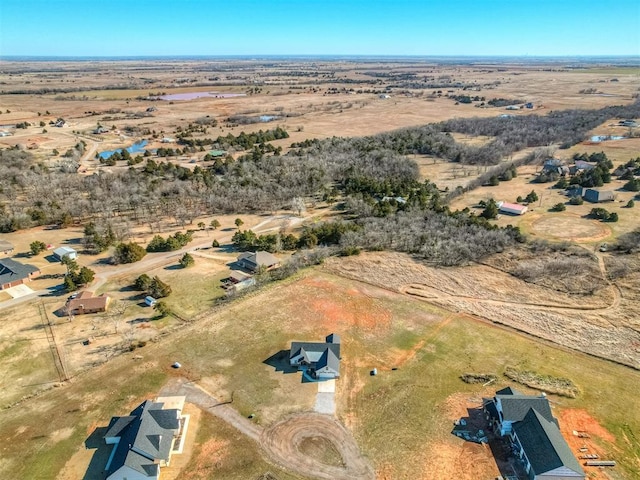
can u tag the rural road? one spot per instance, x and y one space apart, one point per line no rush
281 442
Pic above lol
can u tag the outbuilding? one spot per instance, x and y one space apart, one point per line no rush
596 196
150 301
62 252
512 208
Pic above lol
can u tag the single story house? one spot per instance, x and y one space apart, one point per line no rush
14 273
553 165
144 440
62 252
85 303
254 261
581 165
5 247
533 430
100 129
596 196
512 208
319 360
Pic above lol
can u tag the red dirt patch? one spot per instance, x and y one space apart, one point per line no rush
210 456
352 309
579 420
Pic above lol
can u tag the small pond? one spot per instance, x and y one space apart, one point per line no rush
134 149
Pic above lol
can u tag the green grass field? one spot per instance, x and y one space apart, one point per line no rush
397 417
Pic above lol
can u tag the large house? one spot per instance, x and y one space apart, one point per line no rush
319 360
85 302
145 440
533 430
14 273
254 261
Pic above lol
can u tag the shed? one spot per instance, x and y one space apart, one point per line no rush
62 252
150 301
596 196
512 208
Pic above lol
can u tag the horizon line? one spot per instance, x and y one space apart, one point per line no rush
30 57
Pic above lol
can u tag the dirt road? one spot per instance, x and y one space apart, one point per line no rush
282 441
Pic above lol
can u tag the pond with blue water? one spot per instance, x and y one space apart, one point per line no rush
134 149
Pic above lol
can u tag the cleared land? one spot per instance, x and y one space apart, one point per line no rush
400 419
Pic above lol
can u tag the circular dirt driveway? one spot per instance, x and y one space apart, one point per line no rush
569 226
284 442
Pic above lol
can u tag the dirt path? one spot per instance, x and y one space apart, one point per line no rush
427 292
199 396
282 441
155 260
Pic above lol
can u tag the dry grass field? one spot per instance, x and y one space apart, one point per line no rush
420 326
306 107
401 419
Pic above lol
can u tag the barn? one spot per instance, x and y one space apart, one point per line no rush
512 208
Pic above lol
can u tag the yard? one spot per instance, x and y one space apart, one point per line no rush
401 418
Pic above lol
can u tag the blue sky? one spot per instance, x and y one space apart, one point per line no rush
317 27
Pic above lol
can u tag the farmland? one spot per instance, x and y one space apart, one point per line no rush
416 284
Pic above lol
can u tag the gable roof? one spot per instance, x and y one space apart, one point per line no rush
146 437
313 351
593 195
87 301
259 259
330 360
11 271
62 251
508 391
545 446
516 406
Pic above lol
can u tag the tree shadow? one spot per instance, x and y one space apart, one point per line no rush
95 441
280 361
173 267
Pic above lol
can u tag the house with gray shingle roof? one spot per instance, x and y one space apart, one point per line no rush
534 432
254 261
143 441
543 450
14 273
319 360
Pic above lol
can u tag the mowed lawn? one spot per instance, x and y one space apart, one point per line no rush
400 418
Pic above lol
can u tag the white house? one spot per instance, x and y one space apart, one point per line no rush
62 252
